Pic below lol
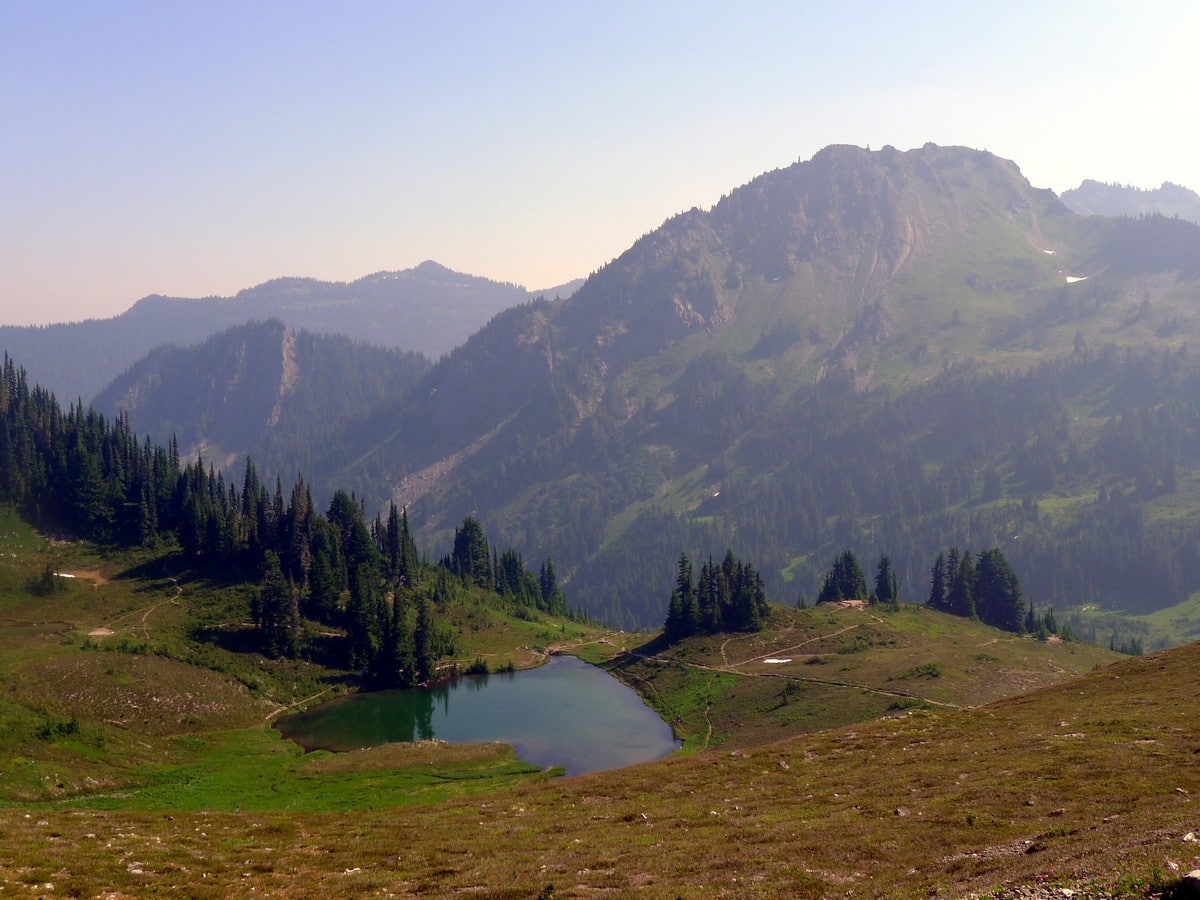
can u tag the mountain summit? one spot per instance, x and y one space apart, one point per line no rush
1095 198
777 373
825 245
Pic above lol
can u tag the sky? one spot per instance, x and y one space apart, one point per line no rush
196 149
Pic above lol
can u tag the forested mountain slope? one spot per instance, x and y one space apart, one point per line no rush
283 397
882 350
428 309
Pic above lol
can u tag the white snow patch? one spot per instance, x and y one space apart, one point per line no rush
1071 279
1050 252
776 662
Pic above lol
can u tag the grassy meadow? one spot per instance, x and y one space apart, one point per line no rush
842 750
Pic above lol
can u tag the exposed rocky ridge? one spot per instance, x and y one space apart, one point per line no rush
1095 198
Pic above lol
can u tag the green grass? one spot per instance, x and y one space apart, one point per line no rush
256 770
156 770
1167 627
852 665
1085 784
132 688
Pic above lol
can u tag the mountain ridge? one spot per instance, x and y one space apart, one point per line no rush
262 389
1095 198
878 268
428 309
813 364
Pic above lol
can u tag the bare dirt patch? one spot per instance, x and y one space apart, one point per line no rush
92 576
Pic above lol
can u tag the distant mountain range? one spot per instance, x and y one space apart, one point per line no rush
1094 198
891 352
428 309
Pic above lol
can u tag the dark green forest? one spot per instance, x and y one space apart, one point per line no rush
74 472
1063 466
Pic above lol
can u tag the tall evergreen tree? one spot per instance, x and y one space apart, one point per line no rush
959 593
844 581
553 600
362 620
423 642
276 616
937 584
886 589
997 592
470 558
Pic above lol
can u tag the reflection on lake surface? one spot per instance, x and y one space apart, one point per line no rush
565 713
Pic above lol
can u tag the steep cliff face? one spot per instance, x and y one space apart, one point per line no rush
837 244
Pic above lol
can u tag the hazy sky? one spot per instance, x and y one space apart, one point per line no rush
194 149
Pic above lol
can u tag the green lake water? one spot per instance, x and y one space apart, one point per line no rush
566 713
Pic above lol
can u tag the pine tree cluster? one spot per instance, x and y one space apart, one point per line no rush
78 473
845 581
726 597
985 588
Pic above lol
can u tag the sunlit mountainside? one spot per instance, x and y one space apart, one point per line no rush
890 351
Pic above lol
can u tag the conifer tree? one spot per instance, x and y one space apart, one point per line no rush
362 623
553 600
844 581
959 598
997 592
423 650
708 598
277 626
937 584
471 559
886 589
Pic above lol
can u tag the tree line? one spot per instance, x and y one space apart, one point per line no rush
983 587
74 471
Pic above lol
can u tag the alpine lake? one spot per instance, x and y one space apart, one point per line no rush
565 713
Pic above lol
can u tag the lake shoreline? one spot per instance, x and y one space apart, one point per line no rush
561 713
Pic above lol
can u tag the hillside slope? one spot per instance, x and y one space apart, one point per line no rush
894 352
1088 785
284 397
838 664
428 309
